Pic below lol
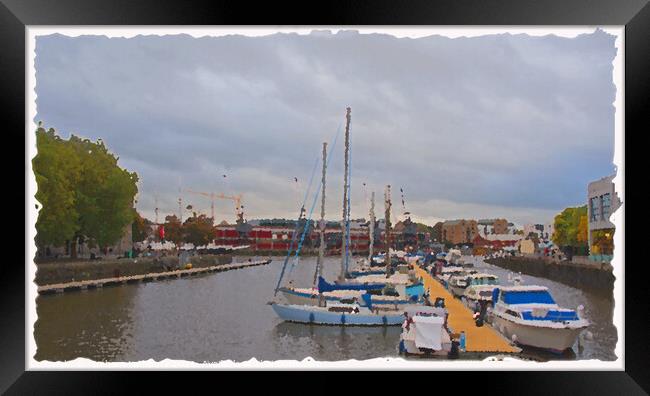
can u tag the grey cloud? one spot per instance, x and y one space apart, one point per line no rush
498 120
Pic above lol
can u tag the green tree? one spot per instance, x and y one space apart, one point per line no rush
84 192
198 230
57 170
567 229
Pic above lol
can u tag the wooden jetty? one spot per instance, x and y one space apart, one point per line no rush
478 339
153 276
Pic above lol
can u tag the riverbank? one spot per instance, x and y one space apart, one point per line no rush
64 272
593 278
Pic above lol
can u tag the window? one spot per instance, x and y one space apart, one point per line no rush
595 211
606 204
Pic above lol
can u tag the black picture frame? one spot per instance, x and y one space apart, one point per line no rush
15 15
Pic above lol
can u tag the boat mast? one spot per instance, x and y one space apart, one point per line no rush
371 227
387 204
321 225
344 239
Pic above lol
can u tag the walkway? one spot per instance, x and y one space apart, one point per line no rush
478 339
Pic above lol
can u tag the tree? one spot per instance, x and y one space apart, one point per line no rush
198 230
57 170
83 191
173 230
583 230
140 227
567 229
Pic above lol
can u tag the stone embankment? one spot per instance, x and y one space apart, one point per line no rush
593 277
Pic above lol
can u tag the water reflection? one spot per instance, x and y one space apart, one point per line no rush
225 316
91 324
337 343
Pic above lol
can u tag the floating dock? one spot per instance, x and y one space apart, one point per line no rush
478 339
153 276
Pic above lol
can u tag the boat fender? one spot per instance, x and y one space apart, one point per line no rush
343 319
311 317
384 320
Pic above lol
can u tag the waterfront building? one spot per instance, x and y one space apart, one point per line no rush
277 239
527 247
494 226
602 201
459 231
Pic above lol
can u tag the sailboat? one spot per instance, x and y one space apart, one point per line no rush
338 306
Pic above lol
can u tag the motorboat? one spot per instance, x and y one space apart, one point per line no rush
477 294
425 332
530 316
458 283
446 273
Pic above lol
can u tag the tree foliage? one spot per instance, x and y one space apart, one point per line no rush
173 229
140 227
198 230
82 190
568 229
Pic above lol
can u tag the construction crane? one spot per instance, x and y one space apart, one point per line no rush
239 208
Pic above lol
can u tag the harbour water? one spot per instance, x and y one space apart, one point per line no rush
224 316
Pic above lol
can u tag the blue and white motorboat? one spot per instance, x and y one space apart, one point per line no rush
530 316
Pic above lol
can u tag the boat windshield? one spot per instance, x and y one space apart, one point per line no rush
528 297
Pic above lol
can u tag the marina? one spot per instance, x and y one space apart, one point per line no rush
479 339
210 318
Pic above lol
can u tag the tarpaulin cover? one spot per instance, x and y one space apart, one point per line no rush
428 332
367 298
528 297
416 290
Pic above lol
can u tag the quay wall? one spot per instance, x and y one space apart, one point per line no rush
596 278
63 272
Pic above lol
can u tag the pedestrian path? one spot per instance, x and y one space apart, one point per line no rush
477 339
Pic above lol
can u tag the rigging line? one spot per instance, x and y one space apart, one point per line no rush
313 205
293 238
295 233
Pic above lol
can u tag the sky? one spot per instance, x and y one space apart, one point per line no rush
495 126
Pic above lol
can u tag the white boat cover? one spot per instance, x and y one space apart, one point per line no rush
428 332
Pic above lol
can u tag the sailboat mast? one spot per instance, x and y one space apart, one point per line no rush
321 226
371 228
387 204
345 196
